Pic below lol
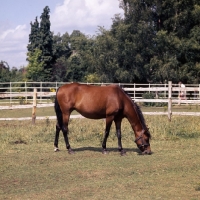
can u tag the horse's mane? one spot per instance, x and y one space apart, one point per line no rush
140 114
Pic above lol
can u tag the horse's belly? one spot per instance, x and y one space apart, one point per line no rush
92 114
95 108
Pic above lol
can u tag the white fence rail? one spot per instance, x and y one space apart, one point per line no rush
14 93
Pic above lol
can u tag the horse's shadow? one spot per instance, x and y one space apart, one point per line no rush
98 149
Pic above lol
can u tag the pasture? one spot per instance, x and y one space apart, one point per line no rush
30 169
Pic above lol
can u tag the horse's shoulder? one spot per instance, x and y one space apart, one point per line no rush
68 86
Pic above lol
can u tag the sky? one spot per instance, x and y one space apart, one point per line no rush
65 16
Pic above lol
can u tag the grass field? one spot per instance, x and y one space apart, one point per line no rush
30 169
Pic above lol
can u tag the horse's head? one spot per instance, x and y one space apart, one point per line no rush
142 142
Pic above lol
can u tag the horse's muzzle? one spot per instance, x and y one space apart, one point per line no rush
146 152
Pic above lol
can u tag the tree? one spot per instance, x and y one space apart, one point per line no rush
41 38
81 61
46 38
34 36
61 46
134 35
35 67
105 56
75 72
4 72
18 74
176 54
61 53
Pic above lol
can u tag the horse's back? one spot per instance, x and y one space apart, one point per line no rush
84 90
91 101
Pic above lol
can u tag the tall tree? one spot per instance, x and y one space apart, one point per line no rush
42 38
135 34
177 49
46 38
34 37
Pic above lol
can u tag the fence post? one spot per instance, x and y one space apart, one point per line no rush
34 105
169 100
199 91
165 91
25 91
40 92
10 94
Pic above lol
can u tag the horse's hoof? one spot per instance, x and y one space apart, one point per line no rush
105 151
56 149
70 151
123 153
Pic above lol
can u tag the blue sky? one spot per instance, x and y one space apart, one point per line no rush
65 16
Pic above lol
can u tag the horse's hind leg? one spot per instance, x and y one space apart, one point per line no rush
106 134
56 138
65 132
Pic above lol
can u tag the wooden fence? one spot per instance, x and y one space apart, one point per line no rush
23 93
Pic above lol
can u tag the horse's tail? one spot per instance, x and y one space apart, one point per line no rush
58 112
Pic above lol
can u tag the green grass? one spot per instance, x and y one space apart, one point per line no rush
30 169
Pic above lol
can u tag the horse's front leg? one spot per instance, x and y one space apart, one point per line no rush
106 134
56 138
119 137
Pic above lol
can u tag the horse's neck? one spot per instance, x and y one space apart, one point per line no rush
134 119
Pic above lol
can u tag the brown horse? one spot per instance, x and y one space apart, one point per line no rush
95 102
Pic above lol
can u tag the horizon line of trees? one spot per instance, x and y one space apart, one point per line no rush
154 42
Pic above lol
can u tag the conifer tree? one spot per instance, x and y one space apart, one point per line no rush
46 38
34 36
41 38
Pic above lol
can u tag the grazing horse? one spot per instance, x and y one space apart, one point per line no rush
95 102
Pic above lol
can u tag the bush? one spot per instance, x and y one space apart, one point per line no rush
152 96
148 96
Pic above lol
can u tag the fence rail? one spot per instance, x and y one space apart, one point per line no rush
14 90
13 93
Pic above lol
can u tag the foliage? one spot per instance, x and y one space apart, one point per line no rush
41 38
177 45
61 54
148 95
11 75
92 78
135 36
4 72
153 42
59 69
81 63
35 66
151 95
103 52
